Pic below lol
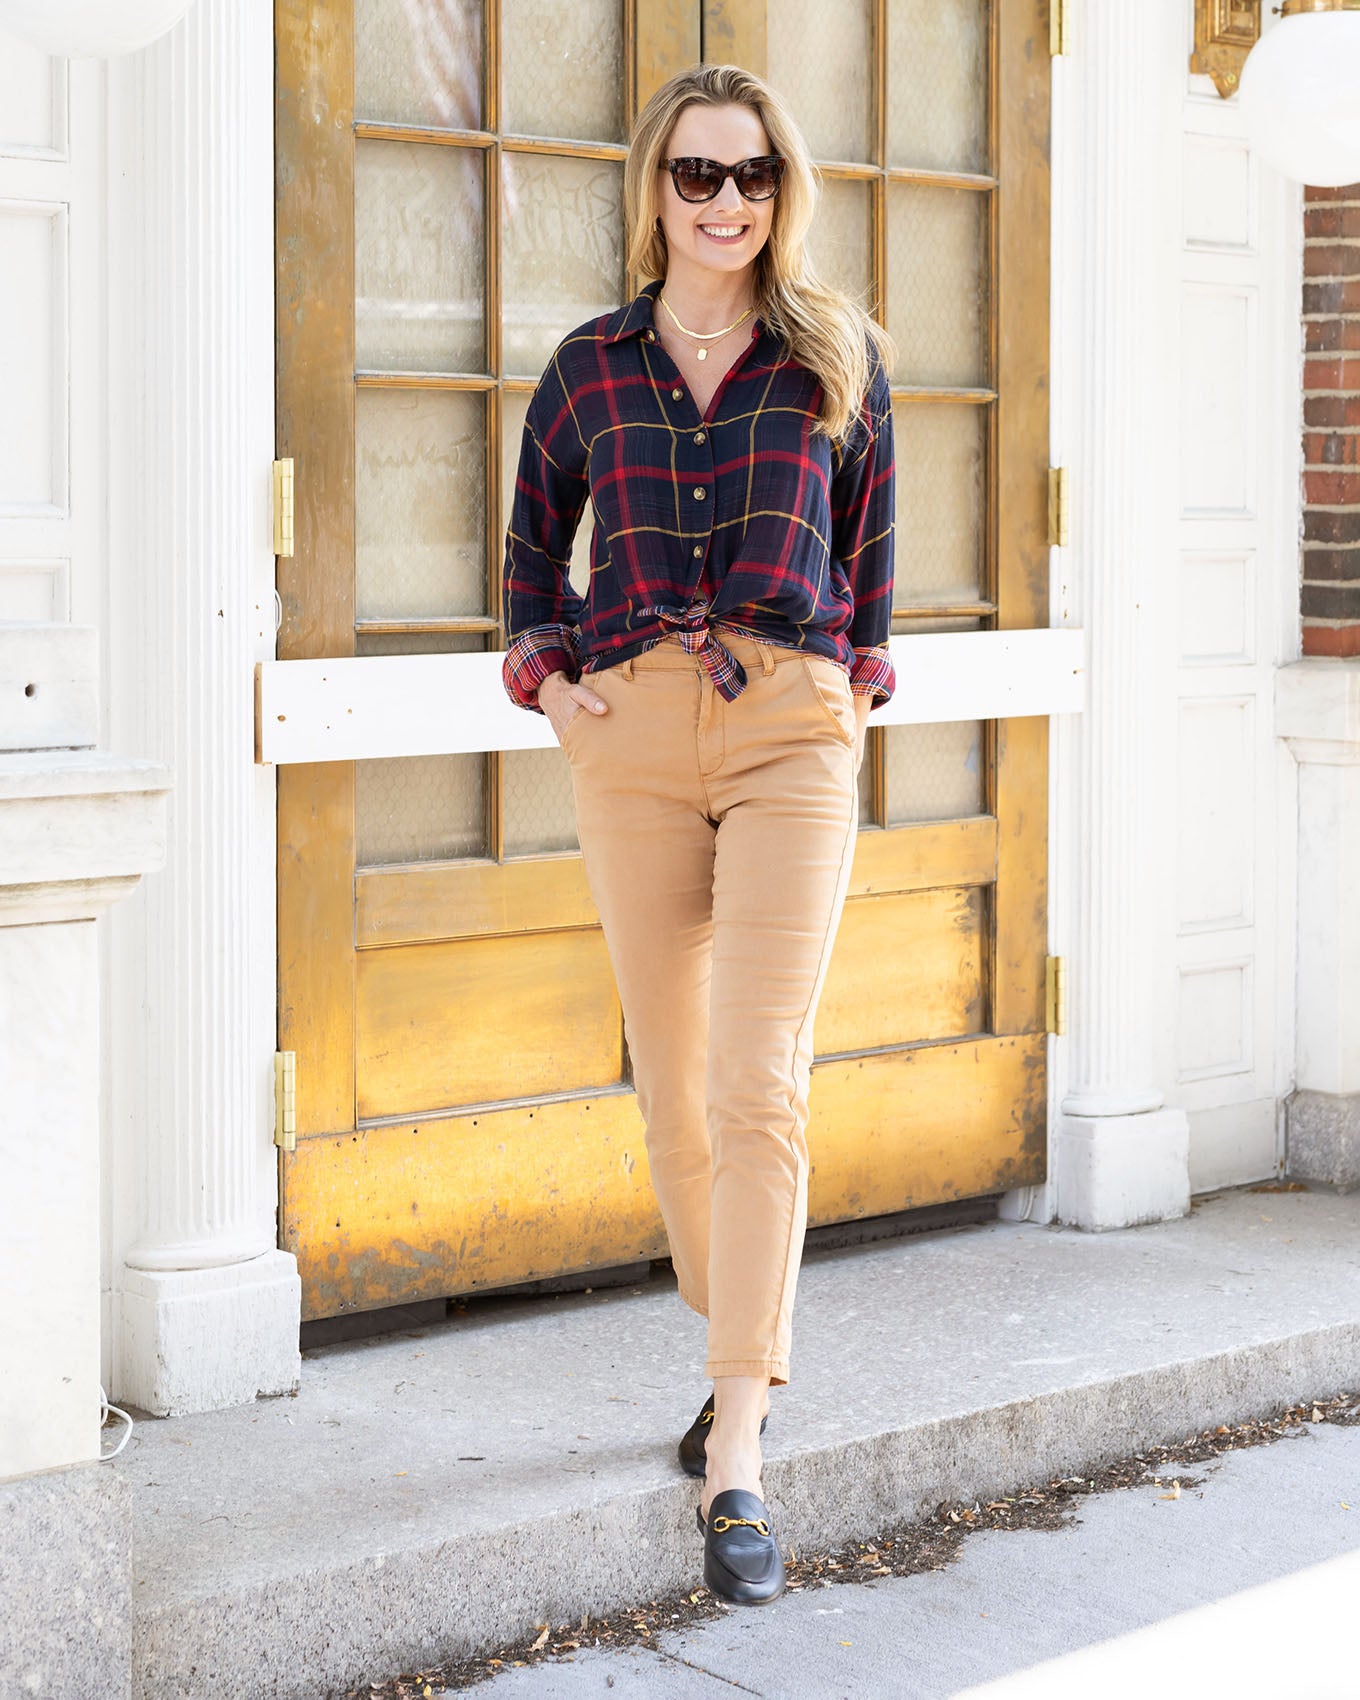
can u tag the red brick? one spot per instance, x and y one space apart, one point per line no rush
1331 566
1331 640
1327 224
1331 259
1314 194
1331 527
1331 410
1332 489
1331 448
1331 602
1331 375
1336 295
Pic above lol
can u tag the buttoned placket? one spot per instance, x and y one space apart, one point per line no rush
690 622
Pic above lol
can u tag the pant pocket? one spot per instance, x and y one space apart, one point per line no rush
830 686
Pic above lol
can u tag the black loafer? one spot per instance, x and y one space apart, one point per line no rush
742 1561
694 1441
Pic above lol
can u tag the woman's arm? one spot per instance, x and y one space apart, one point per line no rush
862 509
542 611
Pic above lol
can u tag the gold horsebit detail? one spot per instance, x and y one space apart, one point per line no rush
720 1525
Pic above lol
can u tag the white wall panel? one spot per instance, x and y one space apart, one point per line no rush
1220 206
35 590
1218 399
1218 607
1215 814
33 376
32 101
1215 1027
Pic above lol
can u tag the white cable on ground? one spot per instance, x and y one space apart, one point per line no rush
105 1411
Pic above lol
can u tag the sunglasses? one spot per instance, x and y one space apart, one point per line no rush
702 179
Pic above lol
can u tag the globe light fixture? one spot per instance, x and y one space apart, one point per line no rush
1300 92
98 29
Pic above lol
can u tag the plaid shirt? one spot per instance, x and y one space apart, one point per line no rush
740 518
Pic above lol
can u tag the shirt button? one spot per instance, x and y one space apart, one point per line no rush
698 548
676 395
698 492
651 336
698 436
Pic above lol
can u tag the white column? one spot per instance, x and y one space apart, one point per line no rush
206 1308
1117 1155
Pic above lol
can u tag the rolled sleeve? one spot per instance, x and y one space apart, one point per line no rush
542 612
862 521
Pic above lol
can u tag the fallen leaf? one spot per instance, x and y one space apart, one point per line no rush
1175 1492
847 1643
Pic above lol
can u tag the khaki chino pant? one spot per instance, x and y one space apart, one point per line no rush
717 839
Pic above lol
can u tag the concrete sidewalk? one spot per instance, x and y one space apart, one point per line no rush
429 1494
1128 1561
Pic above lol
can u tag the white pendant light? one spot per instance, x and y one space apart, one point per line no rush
1300 92
90 28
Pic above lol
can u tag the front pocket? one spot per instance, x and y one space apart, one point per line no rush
830 685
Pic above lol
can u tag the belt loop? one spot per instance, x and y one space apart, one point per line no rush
627 668
766 660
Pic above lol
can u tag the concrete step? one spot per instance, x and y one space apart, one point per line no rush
430 1493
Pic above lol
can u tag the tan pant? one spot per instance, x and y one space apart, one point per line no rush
717 840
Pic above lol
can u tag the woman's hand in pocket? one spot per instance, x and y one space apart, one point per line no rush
562 701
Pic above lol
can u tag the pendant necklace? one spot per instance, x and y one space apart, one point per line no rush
703 336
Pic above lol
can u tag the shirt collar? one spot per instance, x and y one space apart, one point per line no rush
636 316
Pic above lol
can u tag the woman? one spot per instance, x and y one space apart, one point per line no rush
732 427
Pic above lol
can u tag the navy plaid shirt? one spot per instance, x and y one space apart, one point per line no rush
739 518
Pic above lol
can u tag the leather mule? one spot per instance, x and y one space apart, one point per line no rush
694 1442
742 1561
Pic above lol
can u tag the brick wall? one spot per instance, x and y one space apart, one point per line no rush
1331 422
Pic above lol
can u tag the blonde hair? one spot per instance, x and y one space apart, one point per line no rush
817 324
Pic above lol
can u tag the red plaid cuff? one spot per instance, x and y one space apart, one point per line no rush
873 674
532 656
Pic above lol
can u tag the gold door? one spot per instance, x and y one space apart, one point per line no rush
449 179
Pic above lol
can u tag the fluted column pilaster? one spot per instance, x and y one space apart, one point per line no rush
1118 1156
191 354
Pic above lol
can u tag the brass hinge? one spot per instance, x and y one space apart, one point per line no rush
285 1100
1055 995
283 506
1057 26
1058 507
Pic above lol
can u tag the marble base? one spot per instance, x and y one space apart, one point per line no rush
1115 1171
204 1339
1322 1134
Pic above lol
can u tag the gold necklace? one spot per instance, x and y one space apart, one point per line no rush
703 336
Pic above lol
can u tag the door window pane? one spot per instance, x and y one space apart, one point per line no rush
933 772
419 808
841 238
562 251
937 84
419 259
419 503
937 284
562 69
941 501
419 62
540 810
819 58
